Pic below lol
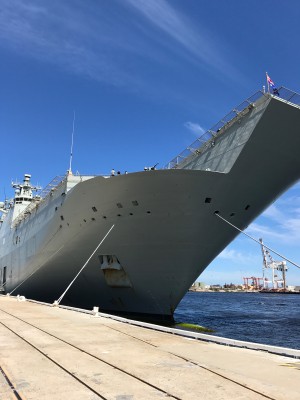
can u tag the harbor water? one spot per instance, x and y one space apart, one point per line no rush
272 319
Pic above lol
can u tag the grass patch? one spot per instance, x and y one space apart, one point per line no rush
192 327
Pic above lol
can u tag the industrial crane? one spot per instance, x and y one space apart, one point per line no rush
269 263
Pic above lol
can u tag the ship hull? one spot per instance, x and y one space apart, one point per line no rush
165 228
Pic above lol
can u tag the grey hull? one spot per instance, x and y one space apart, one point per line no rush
165 228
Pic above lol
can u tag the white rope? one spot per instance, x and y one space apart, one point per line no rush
56 302
255 240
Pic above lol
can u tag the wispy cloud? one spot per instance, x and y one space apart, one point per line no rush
282 222
195 128
196 41
76 38
107 42
236 257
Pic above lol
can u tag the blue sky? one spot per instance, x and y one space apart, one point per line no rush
145 78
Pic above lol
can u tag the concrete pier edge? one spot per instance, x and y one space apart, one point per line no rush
283 351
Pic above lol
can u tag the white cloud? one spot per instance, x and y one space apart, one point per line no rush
280 222
273 213
182 31
195 128
70 36
236 257
108 42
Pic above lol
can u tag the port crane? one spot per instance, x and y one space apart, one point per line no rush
275 267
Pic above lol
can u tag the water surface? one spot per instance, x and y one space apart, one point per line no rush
255 317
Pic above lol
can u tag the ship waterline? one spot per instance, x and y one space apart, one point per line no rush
165 229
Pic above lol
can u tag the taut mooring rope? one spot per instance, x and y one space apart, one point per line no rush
56 303
255 240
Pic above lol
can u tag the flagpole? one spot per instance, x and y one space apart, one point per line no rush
268 82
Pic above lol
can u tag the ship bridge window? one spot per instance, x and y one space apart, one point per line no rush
20 199
247 207
208 200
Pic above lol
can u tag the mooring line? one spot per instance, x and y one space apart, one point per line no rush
56 302
255 240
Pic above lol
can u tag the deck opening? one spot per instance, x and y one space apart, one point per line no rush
208 200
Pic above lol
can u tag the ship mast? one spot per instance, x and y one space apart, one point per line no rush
72 142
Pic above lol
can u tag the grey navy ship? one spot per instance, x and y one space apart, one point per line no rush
165 228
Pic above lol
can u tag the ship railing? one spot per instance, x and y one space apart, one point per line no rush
288 96
51 186
207 139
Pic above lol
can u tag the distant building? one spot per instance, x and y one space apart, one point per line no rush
215 287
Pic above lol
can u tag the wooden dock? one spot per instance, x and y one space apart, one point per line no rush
55 353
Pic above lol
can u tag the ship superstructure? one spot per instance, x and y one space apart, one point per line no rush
165 227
